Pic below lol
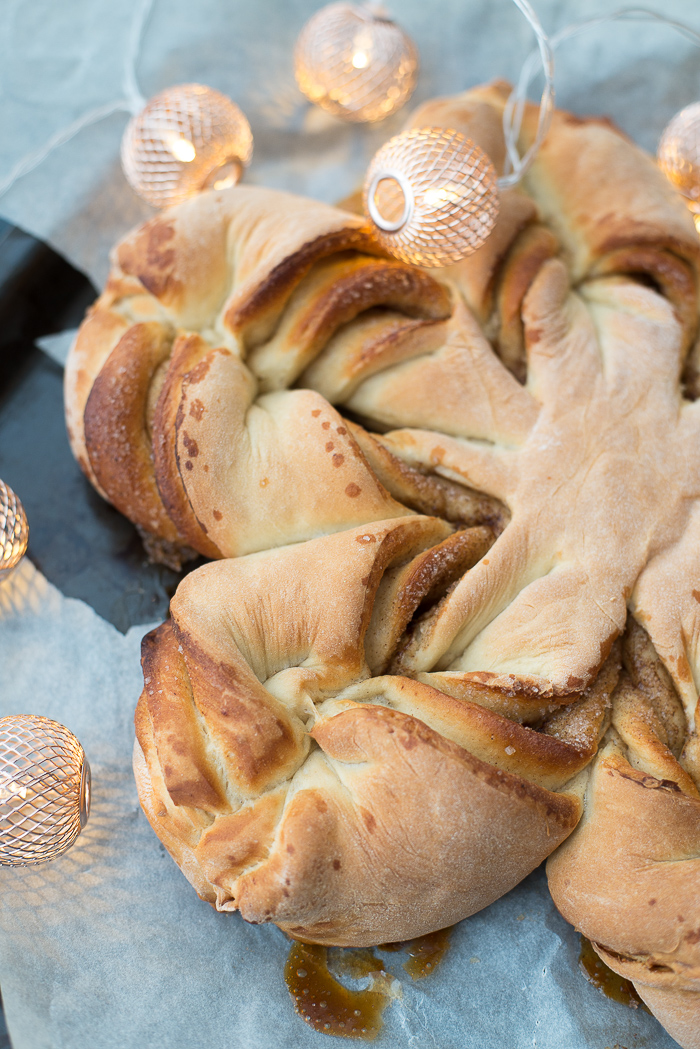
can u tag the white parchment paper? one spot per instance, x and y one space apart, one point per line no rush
108 947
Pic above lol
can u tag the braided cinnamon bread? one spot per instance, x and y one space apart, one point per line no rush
461 605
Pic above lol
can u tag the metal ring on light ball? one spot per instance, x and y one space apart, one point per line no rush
442 236
85 793
409 201
450 195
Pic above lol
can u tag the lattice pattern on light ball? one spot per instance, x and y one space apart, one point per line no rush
438 189
188 138
14 531
679 153
44 789
355 63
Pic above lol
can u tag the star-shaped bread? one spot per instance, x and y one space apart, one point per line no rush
453 626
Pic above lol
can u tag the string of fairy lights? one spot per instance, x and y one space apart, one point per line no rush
431 195
431 198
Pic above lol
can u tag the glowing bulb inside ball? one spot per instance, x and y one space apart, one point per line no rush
180 148
679 154
355 63
448 194
185 140
432 196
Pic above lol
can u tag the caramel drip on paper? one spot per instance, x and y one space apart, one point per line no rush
610 983
326 1004
331 1008
425 952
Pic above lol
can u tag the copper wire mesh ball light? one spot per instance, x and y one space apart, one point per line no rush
679 155
355 62
186 139
44 789
432 195
14 531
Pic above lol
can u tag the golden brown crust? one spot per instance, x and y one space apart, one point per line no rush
532 248
237 842
377 340
98 335
183 258
332 294
253 316
424 579
264 474
116 435
221 270
262 744
458 388
482 732
537 581
674 277
595 215
352 892
180 747
628 876
638 843
178 828
426 492
188 351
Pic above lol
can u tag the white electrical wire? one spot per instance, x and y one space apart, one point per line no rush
516 166
625 14
132 102
130 81
512 117
32 160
